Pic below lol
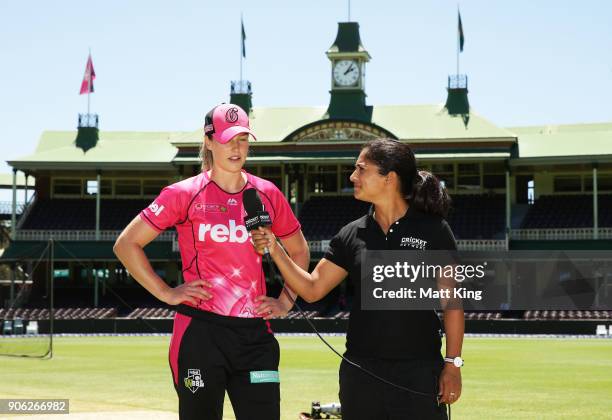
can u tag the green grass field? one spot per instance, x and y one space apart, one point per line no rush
509 378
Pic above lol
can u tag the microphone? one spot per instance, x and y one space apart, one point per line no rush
256 216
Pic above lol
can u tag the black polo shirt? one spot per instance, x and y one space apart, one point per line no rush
390 334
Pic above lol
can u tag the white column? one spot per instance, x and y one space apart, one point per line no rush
98 180
508 202
595 209
14 209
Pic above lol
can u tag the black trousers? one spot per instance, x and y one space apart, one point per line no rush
365 398
227 353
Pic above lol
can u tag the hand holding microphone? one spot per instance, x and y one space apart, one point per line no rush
257 221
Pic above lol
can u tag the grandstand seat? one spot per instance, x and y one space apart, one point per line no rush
18 327
567 211
471 217
32 328
79 214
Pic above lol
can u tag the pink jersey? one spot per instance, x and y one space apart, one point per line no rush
213 241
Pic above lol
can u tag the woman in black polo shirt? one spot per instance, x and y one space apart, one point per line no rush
403 347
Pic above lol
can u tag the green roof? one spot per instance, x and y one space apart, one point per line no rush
114 149
431 122
406 122
569 142
411 123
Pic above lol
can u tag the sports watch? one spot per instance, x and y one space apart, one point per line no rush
456 361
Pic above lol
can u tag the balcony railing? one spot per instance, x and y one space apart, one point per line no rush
78 235
6 207
463 245
560 234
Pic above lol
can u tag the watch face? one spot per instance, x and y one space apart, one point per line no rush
458 361
346 72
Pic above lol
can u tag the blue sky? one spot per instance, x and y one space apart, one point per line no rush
161 65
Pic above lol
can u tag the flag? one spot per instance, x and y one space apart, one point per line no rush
89 77
243 37
460 33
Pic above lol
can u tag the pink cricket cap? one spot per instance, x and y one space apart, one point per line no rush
226 121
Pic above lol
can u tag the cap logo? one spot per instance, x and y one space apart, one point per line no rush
231 116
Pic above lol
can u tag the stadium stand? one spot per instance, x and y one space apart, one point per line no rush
321 219
151 313
565 315
561 211
59 313
477 216
471 217
74 214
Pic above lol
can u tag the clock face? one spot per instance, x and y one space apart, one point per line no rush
346 72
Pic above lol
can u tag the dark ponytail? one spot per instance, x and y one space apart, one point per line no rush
420 188
430 196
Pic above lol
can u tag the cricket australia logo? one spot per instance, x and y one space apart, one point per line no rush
194 380
415 243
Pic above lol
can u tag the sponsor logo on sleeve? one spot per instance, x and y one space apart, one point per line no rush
156 209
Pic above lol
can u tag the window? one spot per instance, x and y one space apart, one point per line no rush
345 174
604 183
445 173
494 175
494 181
567 184
273 174
90 187
127 187
323 179
468 176
153 186
67 186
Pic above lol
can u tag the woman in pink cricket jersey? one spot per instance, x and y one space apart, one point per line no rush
221 338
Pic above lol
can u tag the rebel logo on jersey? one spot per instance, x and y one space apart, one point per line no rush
223 233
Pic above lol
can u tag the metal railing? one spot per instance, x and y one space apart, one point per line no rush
560 234
78 235
6 207
482 245
88 120
240 86
463 245
318 246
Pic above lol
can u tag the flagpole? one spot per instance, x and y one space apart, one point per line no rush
458 41
241 42
89 88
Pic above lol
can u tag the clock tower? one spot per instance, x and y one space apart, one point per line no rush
348 59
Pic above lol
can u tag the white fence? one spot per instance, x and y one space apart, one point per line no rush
482 245
77 235
560 234
463 245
